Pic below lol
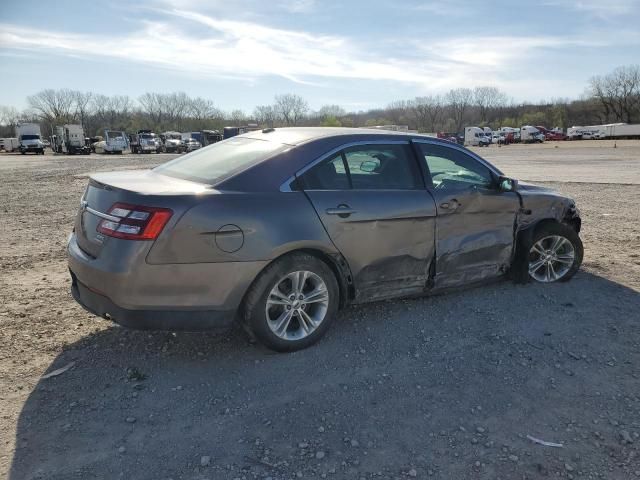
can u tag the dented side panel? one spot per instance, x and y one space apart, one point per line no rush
475 240
542 203
388 240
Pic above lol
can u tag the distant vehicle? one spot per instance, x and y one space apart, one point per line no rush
70 139
475 136
29 138
210 136
622 130
229 132
145 141
553 134
10 144
114 142
171 142
529 134
190 144
46 143
495 137
450 137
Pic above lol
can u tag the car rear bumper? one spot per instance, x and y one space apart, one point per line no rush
121 286
174 320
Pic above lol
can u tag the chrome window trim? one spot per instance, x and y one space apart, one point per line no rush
286 186
454 146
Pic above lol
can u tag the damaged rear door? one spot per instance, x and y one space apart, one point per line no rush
475 222
372 201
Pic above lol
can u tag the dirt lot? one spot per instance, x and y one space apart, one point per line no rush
444 387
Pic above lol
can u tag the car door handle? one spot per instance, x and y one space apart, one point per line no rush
341 210
452 204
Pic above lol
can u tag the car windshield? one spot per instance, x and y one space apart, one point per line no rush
220 160
148 135
115 135
30 137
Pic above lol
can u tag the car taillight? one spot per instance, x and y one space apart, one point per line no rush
135 222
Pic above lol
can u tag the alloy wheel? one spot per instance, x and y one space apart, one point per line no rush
297 305
550 258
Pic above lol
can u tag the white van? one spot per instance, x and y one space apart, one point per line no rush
475 136
529 134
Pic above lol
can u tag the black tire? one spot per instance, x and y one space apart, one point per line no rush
253 314
544 230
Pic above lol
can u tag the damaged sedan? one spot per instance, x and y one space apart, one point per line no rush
278 229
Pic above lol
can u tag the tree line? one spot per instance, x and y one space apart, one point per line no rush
611 98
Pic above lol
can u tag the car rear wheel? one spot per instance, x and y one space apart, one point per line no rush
555 254
292 302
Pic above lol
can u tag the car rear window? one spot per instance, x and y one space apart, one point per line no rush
221 160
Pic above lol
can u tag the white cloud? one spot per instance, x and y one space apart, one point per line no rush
599 8
248 50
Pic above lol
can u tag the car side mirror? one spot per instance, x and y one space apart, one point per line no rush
506 184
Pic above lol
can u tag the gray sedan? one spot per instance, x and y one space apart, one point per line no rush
278 229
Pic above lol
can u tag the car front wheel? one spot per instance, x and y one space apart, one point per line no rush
292 302
555 254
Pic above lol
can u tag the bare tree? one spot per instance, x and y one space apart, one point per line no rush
112 112
619 92
486 99
335 111
459 100
83 106
398 111
9 116
291 108
54 106
238 117
265 115
427 111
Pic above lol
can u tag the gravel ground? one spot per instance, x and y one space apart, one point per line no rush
445 387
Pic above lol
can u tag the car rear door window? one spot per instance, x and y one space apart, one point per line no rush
330 174
452 169
366 167
382 167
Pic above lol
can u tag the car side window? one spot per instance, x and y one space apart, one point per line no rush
330 174
452 169
382 167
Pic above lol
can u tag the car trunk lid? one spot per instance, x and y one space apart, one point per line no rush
143 188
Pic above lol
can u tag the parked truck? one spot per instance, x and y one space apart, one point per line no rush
171 142
529 134
475 136
145 141
70 139
29 138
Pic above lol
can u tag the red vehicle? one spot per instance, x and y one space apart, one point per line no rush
551 134
448 136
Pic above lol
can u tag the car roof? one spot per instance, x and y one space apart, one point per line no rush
299 135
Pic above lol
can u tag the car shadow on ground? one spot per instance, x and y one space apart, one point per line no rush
433 384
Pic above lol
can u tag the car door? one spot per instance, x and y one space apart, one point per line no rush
373 203
475 219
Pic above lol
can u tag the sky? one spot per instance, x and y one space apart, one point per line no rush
359 54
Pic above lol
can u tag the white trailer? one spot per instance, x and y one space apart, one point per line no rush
29 138
70 139
622 130
475 136
529 134
10 144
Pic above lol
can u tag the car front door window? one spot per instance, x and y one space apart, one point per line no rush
452 169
